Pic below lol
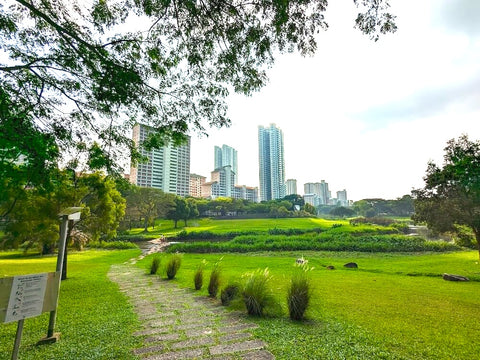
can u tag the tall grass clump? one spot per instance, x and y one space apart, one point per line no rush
198 276
154 265
299 293
173 265
229 293
256 292
214 283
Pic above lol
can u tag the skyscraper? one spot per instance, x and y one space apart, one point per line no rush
291 187
226 156
167 168
272 163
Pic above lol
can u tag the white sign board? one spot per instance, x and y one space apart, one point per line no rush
26 297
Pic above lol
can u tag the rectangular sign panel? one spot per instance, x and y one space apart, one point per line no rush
26 297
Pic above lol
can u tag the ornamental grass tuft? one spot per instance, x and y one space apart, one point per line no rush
229 293
214 283
173 265
299 293
256 292
154 265
198 276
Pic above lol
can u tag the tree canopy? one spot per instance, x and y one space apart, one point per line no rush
75 76
451 195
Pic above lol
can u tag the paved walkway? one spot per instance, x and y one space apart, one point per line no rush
176 324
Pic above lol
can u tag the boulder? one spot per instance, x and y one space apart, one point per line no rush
330 267
452 277
351 265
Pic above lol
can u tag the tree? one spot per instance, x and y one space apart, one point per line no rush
342 211
75 80
179 212
310 209
451 195
192 210
34 222
148 204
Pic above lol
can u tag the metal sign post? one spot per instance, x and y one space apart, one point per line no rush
72 213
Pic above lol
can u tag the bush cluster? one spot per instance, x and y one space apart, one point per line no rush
117 245
318 242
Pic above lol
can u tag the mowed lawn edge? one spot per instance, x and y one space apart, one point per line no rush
94 317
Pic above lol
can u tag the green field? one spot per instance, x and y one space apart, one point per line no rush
94 318
392 307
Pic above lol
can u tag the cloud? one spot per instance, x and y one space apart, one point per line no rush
458 16
462 97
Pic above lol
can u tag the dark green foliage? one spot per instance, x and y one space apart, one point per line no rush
257 294
173 264
117 245
377 220
299 294
198 278
154 265
229 293
214 283
324 241
451 195
342 212
464 236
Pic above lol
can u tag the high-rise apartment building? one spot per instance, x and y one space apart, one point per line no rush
272 163
291 187
342 197
196 182
222 183
320 189
167 168
226 156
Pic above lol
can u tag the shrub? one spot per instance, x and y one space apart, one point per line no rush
117 245
299 293
154 265
173 265
214 283
229 293
256 292
198 276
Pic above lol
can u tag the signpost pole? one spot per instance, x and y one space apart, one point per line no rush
18 338
51 337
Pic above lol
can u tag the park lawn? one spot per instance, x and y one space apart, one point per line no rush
94 318
165 227
395 306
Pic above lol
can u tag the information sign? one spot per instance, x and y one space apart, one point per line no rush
26 297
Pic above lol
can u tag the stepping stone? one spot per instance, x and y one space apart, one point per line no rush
237 347
258 355
149 349
176 355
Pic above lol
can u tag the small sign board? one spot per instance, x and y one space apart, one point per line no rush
29 296
26 297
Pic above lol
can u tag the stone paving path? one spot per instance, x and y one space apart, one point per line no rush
176 324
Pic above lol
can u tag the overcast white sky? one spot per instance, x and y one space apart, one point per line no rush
364 116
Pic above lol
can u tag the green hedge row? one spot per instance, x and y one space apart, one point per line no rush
372 243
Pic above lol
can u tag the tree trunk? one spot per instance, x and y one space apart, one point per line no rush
477 237
145 225
175 223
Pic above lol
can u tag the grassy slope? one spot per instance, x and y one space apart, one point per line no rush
222 226
94 318
377 311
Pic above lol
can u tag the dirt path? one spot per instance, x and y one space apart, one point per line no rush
176 324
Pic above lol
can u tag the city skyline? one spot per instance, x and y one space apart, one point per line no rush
366 116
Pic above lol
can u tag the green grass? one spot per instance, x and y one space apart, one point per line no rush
165 227
395 306
94 318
